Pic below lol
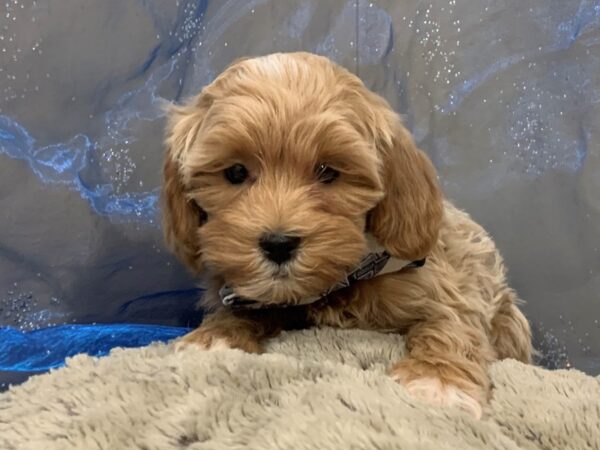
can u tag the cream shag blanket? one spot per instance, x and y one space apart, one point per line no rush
315 389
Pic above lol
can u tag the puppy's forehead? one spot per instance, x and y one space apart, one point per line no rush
279 110
285 130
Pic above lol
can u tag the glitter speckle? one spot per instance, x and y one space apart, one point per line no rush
24 311
531 132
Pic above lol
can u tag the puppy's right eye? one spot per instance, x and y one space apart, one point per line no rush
326 174
236 174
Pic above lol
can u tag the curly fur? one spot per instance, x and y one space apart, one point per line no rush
281 116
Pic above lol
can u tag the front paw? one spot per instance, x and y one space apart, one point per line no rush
209 339
431 389
201 340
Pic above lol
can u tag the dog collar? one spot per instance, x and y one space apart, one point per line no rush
375 263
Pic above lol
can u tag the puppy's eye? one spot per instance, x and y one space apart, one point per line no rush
202 216
326 174
236 174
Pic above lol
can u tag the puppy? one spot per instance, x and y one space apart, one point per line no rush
302 197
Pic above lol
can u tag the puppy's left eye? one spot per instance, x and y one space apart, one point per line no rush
202 216
326 174
236 174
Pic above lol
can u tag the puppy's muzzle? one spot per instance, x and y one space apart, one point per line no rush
278 247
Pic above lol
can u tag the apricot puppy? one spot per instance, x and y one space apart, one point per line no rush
304 201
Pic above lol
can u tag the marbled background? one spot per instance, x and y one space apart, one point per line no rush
504 95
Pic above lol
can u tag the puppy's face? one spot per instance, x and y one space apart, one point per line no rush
273 173
286 189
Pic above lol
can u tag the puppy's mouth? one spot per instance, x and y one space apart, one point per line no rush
278 285
281 272
282 285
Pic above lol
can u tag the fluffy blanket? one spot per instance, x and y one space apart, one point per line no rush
316 389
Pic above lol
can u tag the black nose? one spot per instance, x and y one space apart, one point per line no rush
279 247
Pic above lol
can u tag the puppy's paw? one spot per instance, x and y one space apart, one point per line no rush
209 339
201 340
429 388
434 392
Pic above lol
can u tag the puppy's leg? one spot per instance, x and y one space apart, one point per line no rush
511 334
447 364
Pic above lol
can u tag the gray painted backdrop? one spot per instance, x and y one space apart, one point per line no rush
504 95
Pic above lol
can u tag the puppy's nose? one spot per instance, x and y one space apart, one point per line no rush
278 247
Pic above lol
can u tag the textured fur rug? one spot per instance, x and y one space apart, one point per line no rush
323 389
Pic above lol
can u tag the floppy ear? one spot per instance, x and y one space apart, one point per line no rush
181 216
407 220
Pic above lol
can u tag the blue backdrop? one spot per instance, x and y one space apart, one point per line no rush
504 95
